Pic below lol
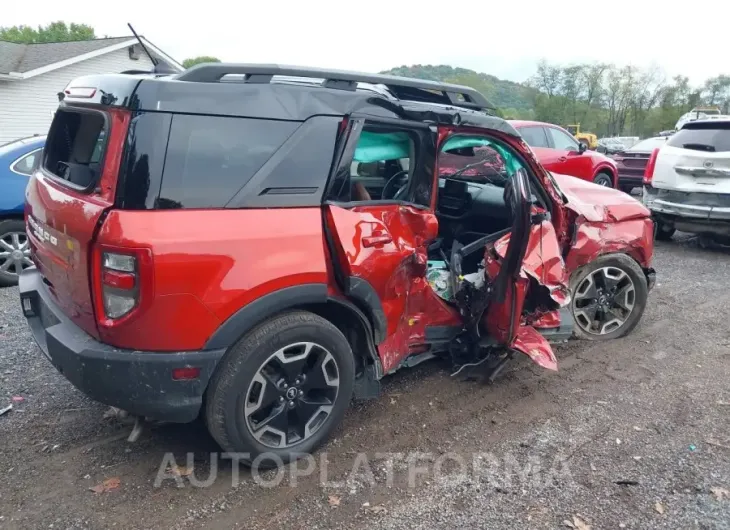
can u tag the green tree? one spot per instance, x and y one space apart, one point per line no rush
53 32
188 63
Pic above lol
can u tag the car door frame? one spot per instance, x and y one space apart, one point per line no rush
358 289
508 286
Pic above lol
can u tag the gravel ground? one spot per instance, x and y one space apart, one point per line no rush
633 433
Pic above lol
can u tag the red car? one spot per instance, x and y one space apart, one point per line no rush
262 251
558 151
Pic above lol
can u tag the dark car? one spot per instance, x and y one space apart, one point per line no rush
259 251
609 146
18 159
632 162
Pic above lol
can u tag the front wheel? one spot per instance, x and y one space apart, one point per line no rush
281 389
608 297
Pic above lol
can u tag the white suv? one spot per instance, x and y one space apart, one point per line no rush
687 180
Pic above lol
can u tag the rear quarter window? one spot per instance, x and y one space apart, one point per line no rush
75 146
711 137
210 158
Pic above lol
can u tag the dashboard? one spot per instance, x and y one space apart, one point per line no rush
458 200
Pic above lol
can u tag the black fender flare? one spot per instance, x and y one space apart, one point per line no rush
251 315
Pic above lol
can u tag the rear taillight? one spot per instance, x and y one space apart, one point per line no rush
118 284
649 169
122 282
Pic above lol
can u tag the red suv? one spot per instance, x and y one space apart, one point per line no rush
261 244
558 151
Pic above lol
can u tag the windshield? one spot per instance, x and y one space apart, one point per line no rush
476 159
648 145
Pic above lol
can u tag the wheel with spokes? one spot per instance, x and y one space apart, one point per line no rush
608 297
281 389
14 251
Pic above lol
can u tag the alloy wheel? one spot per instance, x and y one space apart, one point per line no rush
604 300
291 395
14 253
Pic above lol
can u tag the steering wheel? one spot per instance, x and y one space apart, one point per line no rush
392 181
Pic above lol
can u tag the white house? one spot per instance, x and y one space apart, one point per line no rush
32 75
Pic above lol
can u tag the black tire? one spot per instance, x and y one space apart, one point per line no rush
604 179
633 271
664 232
229 388
7 227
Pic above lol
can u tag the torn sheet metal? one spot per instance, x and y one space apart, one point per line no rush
530 342
543 261
599 203
634 237
543 319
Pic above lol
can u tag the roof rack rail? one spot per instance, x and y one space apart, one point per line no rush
401 87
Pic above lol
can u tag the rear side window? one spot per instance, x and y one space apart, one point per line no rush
534 136
75 147
210 158
710 137
27 163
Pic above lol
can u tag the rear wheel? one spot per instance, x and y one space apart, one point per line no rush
608 297
14 251
281 389
604 179
664 232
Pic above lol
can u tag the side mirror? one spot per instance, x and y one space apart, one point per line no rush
582 148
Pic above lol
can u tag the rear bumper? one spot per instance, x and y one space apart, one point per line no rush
136 381
701 206
689 212
635 181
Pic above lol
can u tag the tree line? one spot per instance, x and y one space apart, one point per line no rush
611 100
62 32
605 99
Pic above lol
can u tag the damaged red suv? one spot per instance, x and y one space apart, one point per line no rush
261 244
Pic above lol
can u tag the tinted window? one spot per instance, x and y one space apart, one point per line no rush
712 137
141 172
534 136
210 158
561 140
75 146
27 163
648 145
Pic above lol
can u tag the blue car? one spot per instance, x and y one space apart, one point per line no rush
18 159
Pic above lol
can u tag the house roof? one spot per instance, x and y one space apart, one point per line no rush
27 60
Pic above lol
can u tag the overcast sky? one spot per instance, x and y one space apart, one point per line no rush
504 39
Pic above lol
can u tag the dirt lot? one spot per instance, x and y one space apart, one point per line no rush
629 434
